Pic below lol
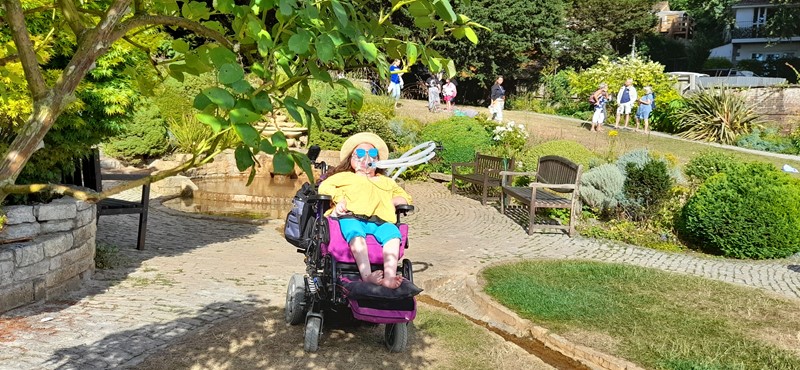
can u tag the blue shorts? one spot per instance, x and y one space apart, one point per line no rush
353 227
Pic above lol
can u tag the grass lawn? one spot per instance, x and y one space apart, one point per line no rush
656 319
547 127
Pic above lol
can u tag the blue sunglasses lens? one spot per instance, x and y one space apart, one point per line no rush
360 153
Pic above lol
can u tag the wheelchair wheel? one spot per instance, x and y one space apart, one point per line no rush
408 270
396 337
295 300
313 331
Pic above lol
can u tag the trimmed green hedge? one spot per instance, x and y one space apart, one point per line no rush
750 211
460 137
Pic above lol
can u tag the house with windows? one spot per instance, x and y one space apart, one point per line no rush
748 38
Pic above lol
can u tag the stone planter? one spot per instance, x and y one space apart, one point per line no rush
49 249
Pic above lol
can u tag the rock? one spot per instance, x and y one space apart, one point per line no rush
441 177
161 165
174 185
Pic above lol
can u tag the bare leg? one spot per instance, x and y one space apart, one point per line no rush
637 123
616 123
627 119
646 125
391 251
358 246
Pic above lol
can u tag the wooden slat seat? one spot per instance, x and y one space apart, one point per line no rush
557 185
485 173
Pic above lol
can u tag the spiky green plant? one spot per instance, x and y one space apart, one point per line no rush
717 115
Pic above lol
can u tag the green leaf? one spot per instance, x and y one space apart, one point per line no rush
221 56
262 102
217 124
444 10
291 106
434 64
251 177
180 46
317 73
368 49
214 25
458 32
423 22
451 68
471 35
176 71
195 11
267 147
242 87
340 13
230 73
304 163
279 140
300 41
244 115
411 53
254 28
201 102
287 7
220 97
264 43
225 6
325 48
244 158
248 134
282 163
417 9
304 91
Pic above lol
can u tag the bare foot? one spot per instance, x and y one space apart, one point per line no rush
376 277
393 283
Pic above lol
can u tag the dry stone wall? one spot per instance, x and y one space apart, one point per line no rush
45 251
779 105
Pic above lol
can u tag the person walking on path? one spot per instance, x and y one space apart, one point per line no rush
498 97
625 98
395 81
433 93
449 91
645 108
599 98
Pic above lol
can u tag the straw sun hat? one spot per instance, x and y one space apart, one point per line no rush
364 137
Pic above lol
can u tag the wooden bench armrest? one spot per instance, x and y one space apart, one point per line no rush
552 186
123 176
505 175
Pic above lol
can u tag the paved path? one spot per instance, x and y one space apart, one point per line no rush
196 273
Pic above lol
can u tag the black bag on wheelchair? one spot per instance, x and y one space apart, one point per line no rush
297 219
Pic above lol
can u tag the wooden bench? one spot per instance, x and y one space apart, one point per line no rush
557 185
88 174
485 173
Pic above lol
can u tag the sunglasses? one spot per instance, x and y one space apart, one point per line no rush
360 153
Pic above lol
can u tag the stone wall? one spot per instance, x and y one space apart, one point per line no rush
779 105
46 250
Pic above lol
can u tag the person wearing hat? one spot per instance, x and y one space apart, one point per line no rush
364 202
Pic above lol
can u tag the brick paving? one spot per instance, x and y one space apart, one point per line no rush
199 272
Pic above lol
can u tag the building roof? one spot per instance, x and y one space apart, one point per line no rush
746 3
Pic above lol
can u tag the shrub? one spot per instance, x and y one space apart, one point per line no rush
665 117
460 137
717 115
144 136
709 163
751 211
382 104
602 187
510 138
717 63
187 132
637 157
376 122
175 98
646 188
767 140
406 130
571 150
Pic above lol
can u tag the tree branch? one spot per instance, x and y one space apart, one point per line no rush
73 17
22 39
143 20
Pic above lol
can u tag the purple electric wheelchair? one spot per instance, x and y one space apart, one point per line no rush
331 273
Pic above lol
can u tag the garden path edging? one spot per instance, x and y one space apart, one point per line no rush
492 313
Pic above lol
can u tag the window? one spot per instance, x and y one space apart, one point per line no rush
760 16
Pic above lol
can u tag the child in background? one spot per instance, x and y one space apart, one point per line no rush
449 92
365 201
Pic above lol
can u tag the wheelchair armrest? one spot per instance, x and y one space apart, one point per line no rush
403 208
319 198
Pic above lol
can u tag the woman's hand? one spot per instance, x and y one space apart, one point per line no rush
340 209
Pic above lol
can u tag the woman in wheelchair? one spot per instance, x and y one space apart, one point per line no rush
364 203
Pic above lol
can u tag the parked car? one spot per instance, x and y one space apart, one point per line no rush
729 72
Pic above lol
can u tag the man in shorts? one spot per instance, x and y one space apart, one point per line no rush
625 99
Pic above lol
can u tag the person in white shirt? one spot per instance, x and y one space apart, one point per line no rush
625 99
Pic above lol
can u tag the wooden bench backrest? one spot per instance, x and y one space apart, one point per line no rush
558 170
87 172
484 162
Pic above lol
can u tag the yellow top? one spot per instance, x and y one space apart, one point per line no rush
364 196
